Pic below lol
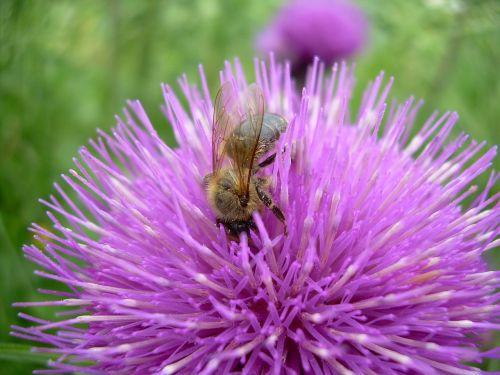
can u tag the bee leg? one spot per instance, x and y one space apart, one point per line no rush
263 182
268 161
268 201
206 180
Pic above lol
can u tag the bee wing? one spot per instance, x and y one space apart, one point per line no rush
225 119
251 106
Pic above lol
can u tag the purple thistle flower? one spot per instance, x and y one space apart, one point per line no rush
303 29
381 272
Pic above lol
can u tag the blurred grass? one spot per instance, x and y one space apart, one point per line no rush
67 67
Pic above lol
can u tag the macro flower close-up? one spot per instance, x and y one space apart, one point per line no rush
380 270
332 30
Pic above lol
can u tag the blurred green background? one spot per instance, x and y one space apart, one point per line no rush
67 67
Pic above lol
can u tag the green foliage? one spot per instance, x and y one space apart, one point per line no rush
67 67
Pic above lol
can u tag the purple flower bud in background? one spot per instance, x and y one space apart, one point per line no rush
329 29
381 271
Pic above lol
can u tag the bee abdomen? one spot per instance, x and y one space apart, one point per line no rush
272 127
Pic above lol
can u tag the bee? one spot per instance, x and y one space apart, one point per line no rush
242 133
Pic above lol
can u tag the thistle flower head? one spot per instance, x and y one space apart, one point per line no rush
381 271
329 29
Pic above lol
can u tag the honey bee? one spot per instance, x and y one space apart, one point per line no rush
244 132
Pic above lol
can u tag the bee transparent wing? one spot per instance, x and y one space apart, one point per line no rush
251 105
225 120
